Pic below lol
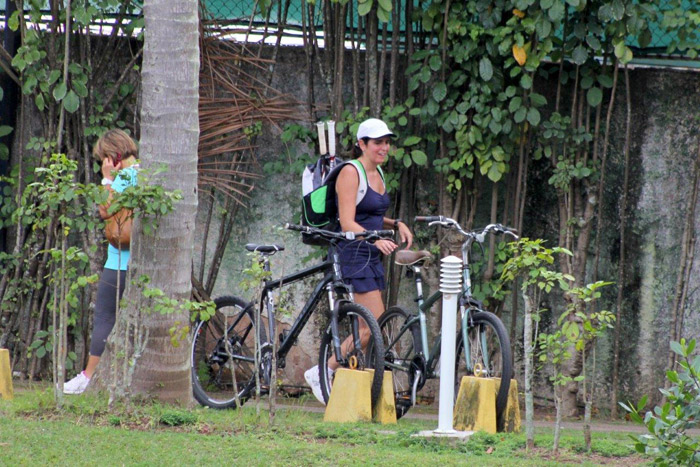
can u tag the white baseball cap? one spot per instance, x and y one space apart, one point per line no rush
373 128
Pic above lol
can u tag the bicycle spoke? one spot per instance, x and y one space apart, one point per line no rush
486 354
222 355
399 357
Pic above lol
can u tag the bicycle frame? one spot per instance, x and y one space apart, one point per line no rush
431 354
424 306
337 292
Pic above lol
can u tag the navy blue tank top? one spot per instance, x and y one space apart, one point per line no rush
360 260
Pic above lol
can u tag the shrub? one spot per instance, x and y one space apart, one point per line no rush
668 425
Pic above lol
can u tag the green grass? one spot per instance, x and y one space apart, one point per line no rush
33 431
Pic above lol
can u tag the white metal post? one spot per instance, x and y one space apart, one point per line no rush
450 286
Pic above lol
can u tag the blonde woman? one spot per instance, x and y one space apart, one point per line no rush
117 153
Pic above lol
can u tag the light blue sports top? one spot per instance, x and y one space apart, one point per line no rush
118 260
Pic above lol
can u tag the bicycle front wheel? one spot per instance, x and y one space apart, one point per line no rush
399 356
361 341
223 355
488 355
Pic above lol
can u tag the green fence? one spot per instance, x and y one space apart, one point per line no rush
239 12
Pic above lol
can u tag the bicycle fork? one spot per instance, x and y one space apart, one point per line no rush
466 315
334 306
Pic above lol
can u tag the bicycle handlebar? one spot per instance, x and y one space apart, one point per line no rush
428 218
368 235
478 235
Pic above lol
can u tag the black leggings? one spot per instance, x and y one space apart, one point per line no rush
106 308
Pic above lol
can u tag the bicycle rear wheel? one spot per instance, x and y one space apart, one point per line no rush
489 355
355 324
223 355
399 356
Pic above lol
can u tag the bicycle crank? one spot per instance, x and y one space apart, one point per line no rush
418 372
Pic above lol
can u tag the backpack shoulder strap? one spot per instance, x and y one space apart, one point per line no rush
362 188
381 174
362 175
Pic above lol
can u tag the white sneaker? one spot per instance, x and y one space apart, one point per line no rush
77 385
312 377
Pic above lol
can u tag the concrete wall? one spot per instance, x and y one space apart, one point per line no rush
664 145
667 145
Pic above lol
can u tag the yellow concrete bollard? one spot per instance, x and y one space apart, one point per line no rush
475 408
6 391
350 399
511 417
385 410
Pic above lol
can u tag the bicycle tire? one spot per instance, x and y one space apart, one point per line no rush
485 326
371 358
399 356
213 359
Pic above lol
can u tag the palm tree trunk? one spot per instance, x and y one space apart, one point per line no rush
169 136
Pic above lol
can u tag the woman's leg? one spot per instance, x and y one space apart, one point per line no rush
372 301
91 366
105 315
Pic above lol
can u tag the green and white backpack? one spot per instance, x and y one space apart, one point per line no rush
319 202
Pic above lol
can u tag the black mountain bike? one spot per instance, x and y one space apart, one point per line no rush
483 346
223 347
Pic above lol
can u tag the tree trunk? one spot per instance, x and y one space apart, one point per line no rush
491 264
375 100
529 353
557 420
621 265
169 135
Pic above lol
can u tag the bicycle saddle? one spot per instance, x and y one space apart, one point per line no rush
264 248
409 258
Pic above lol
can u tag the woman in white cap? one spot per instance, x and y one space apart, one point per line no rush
361 263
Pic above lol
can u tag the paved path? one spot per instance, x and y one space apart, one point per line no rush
431 414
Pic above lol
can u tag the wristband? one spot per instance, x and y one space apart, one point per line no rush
106 182
396 223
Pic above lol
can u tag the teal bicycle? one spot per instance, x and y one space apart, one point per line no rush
483 347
